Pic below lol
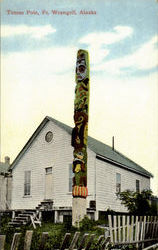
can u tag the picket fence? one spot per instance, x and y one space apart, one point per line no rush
85 242
123 230
134 230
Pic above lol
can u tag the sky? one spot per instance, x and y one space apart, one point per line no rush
38 57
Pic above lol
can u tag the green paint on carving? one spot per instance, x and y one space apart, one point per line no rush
80 131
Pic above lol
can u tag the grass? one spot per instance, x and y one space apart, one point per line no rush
56 233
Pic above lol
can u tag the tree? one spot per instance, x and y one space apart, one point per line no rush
136 203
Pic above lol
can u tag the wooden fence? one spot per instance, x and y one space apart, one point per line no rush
136 230
84 243
123 230
155 246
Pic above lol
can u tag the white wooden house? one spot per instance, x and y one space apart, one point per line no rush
43 171
5 185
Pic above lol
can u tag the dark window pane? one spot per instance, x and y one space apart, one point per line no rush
49 170
118 183
137 186
27 182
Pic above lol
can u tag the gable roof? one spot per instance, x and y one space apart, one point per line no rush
103 151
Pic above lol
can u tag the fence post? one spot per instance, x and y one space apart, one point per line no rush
28 239
101 237
147 225
90 241
150 224
119 229
154 223
74 240
83 241
105 243
43 240
65 241
15 241
128 229
115 229
132 227
110 228
143 230
123 225
2 242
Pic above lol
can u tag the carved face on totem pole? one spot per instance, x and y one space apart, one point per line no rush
81 67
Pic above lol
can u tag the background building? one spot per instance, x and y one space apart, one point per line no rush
42 172
5 185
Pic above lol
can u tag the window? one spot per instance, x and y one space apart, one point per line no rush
71 175
49 136
27 182
137 186
49 170
118 183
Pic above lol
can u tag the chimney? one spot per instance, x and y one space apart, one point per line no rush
113 142
7 160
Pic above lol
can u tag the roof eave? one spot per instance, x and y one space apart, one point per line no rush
29 142
123 166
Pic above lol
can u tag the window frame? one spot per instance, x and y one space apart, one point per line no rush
48 170
49 136
118 182
138 181
27 183
71 175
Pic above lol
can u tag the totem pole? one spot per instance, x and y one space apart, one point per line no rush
79 138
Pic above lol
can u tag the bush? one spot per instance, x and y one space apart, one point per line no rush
137 203
86 224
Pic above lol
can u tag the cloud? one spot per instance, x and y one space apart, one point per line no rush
98 40
97 54
144 58
35 64
106 38
36 32
38 82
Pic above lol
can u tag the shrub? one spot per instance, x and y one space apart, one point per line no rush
86 224
137 203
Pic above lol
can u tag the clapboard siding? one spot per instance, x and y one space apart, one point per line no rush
91 176
39 156
3 191
57 154
106 185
